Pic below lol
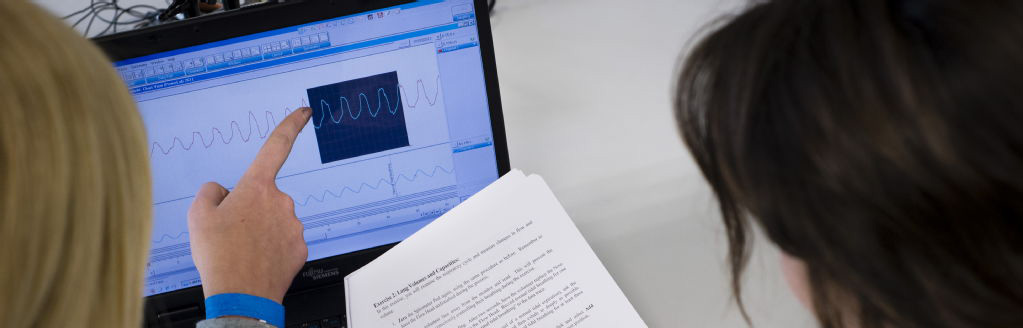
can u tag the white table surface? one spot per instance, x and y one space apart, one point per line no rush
586 88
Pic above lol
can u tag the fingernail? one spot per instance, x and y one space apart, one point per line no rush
307 111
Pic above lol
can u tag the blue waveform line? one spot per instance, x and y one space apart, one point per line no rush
323 196
254 126
166 236
327 111
271 121
416 175
340 193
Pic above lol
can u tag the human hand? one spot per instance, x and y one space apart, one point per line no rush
249 240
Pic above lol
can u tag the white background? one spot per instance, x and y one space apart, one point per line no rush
586 92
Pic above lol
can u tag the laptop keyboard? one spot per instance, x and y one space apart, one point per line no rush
332 322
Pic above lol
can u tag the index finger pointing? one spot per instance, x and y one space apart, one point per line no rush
278 146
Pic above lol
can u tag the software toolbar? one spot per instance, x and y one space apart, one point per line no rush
270 49
173 69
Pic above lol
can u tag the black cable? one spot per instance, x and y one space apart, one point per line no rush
91 20
117 15
142 15
114 24
117 21
79 21
91 8
129 10
120 11
103 6
76 13
93 12
97 9
175 7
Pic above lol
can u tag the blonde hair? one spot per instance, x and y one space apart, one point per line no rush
75 197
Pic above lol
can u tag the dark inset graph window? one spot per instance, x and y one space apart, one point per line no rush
358 117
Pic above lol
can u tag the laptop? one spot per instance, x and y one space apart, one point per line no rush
406 125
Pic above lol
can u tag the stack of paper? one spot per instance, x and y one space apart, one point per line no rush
509 257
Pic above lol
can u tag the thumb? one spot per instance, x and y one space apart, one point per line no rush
209 197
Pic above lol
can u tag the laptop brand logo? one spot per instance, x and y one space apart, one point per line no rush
318 273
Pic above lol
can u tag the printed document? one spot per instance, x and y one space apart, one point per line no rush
508 257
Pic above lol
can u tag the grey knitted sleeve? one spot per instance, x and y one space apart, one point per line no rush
233 323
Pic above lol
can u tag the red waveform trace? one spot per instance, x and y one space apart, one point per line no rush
256 130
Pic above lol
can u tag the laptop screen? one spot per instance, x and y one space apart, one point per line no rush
400 131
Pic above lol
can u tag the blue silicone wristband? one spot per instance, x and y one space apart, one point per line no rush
245 305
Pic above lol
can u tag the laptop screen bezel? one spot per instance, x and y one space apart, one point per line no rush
165 308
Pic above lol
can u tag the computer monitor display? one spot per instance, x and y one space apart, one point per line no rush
400 133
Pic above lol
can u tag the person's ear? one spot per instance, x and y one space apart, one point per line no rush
794 271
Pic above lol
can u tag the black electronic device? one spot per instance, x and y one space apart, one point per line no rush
209 88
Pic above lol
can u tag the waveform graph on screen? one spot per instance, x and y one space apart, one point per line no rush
358 117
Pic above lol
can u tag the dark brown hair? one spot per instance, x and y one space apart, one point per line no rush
880 142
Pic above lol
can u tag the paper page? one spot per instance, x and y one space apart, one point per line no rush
509 257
